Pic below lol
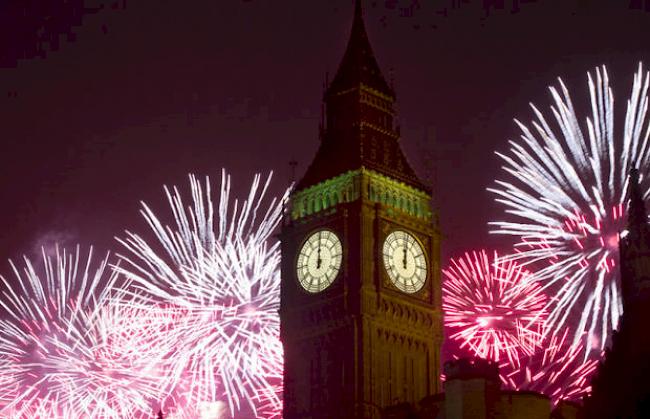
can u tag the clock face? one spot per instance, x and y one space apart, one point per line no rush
319 261
405 261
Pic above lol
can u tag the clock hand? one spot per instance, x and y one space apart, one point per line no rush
404 260
319 260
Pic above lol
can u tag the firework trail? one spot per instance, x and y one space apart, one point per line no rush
565 203
491 309
559 371
57 352
219 274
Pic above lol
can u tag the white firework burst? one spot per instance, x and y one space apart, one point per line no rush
566 198
219 274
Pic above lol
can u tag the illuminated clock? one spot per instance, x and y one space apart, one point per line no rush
405 261
319 261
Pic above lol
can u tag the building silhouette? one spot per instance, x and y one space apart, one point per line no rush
620 388
361 318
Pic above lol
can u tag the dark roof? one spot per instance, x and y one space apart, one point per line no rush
334 158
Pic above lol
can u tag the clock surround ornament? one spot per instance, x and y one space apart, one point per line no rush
319 261
405 261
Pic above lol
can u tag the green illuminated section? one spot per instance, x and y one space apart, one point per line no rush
360 184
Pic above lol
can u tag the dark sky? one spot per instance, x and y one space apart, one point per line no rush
101 103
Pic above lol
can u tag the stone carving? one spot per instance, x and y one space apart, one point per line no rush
347 188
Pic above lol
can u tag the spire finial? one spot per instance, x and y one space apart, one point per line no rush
358 10
637 211
358 27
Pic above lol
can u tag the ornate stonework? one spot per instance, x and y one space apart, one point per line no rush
361 184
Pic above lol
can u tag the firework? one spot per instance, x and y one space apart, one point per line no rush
490 307
566 203
559 370
57 357
219 275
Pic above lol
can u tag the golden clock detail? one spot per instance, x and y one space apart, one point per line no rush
405 261
319 261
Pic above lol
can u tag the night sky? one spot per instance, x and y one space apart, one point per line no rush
104 102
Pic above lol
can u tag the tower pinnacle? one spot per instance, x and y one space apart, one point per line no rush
635 250
637 215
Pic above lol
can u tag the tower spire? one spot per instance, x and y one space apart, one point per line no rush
359 130
359 65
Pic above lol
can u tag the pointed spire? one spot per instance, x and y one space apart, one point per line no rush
359 65
636 213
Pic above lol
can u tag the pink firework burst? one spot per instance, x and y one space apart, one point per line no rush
558 370
491 309
590 242
57 352
600 234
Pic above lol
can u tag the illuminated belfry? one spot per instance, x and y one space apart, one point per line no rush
361 305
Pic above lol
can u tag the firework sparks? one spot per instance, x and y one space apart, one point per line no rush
220 275
488 309
57 357
566 203
559 370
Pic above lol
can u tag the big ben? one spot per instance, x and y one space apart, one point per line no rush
361 318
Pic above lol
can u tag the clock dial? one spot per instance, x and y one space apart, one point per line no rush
405 261
319 261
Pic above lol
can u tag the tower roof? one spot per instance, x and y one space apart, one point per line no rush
360 130
359 65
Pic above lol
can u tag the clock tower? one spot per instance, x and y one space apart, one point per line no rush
361 318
